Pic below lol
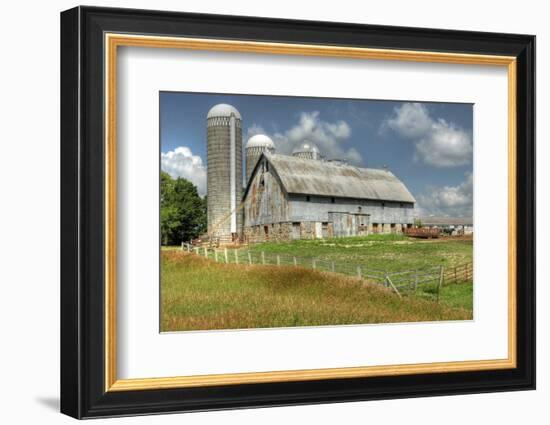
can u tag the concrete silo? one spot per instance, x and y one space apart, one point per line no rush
307 150
224 173
255 146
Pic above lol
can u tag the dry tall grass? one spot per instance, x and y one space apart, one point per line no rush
198 294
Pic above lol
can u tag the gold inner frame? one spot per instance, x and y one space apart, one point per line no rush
113 41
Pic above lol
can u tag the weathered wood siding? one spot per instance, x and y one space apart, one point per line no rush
265 202
349 224
318 209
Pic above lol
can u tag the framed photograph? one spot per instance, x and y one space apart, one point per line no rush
261 212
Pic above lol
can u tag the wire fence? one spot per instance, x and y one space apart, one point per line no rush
425 281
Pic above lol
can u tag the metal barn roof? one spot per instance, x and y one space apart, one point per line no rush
323 178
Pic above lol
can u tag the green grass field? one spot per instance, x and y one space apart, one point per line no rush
390 252
200 294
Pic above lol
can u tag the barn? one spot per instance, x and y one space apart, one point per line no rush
303 196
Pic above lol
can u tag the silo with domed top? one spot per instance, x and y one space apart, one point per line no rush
224 172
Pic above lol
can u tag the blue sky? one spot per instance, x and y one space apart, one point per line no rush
427 145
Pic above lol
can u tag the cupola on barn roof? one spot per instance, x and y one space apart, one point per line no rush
223 110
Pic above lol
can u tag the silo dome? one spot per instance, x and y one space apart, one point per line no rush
260 141
307 150
223 110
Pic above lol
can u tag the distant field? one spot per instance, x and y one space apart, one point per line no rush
199 294
390 252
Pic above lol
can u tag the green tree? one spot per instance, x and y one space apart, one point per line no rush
182 210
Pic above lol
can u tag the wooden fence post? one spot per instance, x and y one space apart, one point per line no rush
216 255
188 247
249 258
440 283
182 246
359 275
236 257
415 280
263 257
278 260
295 262
332 267
456 277
225 253
205 252
314 264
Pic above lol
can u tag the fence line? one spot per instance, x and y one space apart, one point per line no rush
402 282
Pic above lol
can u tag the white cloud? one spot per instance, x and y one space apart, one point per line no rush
253 130
330 137
438 142
182 163
454 201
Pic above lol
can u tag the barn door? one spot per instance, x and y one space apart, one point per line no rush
318 230
296 231
362 222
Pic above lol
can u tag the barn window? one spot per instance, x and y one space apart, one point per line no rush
308 198
332 200
383 204
401 204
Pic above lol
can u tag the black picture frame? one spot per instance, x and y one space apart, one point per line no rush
82 212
